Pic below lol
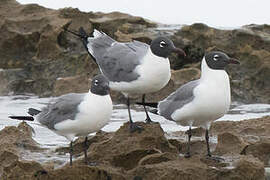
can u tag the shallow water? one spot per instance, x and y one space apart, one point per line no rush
18 105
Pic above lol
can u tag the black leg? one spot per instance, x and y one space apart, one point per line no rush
207 142
85 150
133 127
70 153
187 155
129 115
148 119
209 155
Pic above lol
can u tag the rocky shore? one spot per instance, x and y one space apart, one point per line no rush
38 57
151 154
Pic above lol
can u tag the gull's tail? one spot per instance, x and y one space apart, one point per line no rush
151 104
31 111
83 36
22 118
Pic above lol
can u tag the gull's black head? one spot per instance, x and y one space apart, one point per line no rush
100 85
163 47
219 60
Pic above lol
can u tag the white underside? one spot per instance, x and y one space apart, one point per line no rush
94 113
212 100
154 74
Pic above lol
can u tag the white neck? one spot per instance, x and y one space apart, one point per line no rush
215 74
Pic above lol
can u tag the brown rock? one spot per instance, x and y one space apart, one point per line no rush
126 149
259 127
22 170
260 150
158 158
191 168
75 84
79 172
112 22
18 138
185 75
249 168
78 145
229 143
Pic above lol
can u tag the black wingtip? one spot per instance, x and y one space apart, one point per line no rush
151 104
33 112
80 35
22 118
84 38
154 111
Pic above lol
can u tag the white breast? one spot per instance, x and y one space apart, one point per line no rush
94 113
154 74
212 99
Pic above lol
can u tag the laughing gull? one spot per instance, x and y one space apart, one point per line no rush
74 115
202 101
132 67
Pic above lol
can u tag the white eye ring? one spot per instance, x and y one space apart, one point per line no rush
162 44
216 57
96 82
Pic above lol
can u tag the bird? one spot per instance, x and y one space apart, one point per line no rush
76 114
202 101
133 68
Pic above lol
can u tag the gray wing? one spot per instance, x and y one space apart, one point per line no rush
177 99
65 107
117 61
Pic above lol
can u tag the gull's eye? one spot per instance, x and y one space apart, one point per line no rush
96 82
162 44
216 57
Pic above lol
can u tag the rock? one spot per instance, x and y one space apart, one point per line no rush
260 150
14 139
79 172
248 168
158 158
23 170
6 159
141 155
229 143
191 168
126 149
122 27
9 78
259 127
74 84
14 142
194 168
78 145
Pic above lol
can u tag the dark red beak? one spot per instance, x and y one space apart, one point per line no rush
233 61
179 51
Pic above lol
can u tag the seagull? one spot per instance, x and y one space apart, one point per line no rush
202 101
74 115
133 68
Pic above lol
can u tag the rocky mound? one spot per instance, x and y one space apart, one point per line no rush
38 57
147 155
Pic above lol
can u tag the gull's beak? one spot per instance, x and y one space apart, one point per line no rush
233 61
179 51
